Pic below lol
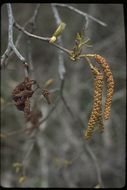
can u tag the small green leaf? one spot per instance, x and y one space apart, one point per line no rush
22 179
57 32
60 29
78 37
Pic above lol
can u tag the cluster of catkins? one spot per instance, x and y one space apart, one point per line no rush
97 116
23 92
21 95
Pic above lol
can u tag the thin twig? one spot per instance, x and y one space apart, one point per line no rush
55 104
50 112
61 67
81 13
99 178
11 45
32 22
8 134
29 148
10 33
67 106
64 100
34 17
46 39
29 34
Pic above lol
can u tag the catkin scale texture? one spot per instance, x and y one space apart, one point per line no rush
96 103
100 122
21 95
27 108
46 94
110 84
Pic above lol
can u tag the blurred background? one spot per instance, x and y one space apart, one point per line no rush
56 154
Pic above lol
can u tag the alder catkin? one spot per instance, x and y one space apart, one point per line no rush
110 84
100 122
46 94
27 108
96 103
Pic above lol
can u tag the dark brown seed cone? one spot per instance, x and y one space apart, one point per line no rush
25 85
20 104
22 92
25 94
110 84
96 104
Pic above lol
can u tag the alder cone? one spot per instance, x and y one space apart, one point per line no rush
21 95
21 106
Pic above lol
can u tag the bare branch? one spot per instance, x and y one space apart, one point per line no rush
46 39
67 106
64 100
28 150
60 97
50 112
96 165
10 33
81 13
10 41
29 34
61 67
34 17
32 22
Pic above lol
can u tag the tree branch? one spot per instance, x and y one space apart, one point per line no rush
31 22
46 39
93 156
11 45
61 67
81 13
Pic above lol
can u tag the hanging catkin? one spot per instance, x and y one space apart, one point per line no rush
96 103
100 122
27 109
46 94
110 84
